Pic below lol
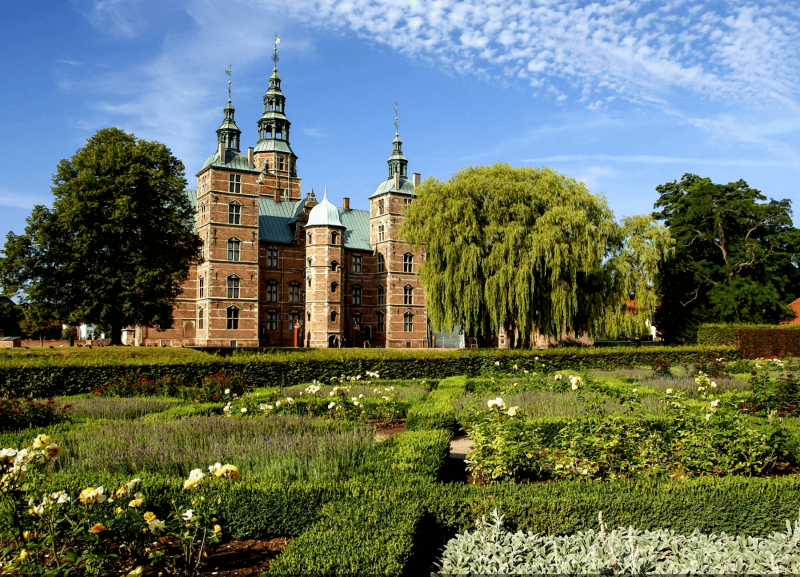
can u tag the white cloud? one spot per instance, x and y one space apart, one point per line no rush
654 159
22 200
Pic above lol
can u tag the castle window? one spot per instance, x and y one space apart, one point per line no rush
406 202
408 322
356 294
357 319
334 237
408 295
233 287
293 319
203 211
294 292
278 135
333 316
233 249
333 287
272 257
282 192
381 322
272 321
235 183
310 238
280 163
200 282
202 255
272 291
309 281
232 318
380 207
381 295
334 266
234 212
381 263
380 233
200 318
356 263
408 262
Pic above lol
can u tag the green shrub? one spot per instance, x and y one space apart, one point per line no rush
718 335
753 341
72 375
418 453
432 416
18 414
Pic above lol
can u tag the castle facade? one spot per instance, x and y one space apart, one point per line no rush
281 269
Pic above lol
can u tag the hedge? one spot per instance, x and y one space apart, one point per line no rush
282 370
753 341
437 412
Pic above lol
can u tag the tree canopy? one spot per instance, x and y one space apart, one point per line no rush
531 248
735 259
117 243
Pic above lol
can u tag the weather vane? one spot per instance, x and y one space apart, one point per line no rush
275 55
396 121
228 72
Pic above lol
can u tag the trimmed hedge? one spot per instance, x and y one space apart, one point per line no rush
437 412
283 370
753 341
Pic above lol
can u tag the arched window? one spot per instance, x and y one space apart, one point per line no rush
408 295
232 318
356 291
333 287
234 212
381 295
272 291
200 286
408 322
356 263
334 237
334 314
381 263
408 262
380 233
199 317
234 245
334 265
233 287
381 323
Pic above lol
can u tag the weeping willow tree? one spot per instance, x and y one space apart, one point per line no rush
533 249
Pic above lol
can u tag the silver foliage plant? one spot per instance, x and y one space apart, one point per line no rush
491 549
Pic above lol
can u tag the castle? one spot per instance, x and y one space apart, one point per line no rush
281 269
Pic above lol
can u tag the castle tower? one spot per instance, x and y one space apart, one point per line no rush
325 277
273 154
227 223
401 308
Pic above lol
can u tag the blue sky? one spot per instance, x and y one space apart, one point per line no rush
623 95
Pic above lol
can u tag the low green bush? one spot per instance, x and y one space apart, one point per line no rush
437 412
417 453
72 375
18 414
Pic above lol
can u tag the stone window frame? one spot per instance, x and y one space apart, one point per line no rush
334 265
201 281
272 257
381 323
272 320
334 286
235 183
381 262
381 294
408 262
408 294
357 263
232 318
200 318
235 212
381 207
233 286
334 237
408 322
355 293
272 291
234 249
294 292
334 315
381 233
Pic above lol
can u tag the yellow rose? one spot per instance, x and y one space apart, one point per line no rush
52 451
136 503
118 510
137 571
96 528
156 526
41 441
149 517
23 554
217 530
230 472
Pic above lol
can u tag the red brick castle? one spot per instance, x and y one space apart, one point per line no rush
282 269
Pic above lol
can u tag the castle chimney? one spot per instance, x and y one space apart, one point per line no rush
415 179
346 203
221 152
397 180
251 157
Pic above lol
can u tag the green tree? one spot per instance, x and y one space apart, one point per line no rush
117 243
735 259
40 319
10 317
532 248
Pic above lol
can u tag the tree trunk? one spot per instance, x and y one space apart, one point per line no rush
116 334
41 340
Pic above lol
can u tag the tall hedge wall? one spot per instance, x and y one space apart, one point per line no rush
265 370
753 341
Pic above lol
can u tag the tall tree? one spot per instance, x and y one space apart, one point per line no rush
532 248
117 243
735 259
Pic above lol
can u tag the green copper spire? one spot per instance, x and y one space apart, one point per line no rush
228 133
397 162
273 126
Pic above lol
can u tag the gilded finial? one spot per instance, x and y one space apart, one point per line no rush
396 121
228 72
275 54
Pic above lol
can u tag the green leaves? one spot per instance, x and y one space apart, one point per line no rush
531 248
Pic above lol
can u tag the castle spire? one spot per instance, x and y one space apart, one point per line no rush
273 126
228 133
397 162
